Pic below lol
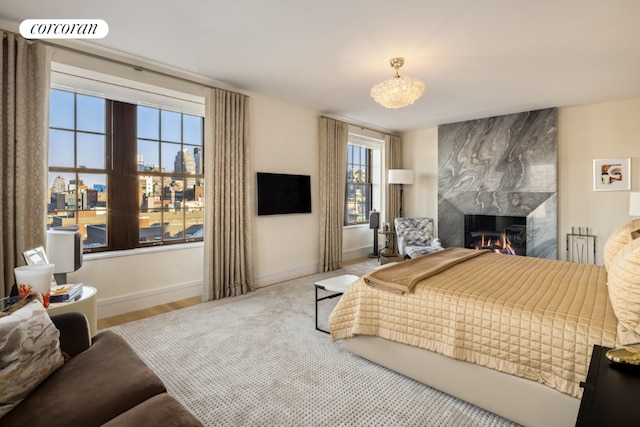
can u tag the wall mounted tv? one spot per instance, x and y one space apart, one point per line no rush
283 194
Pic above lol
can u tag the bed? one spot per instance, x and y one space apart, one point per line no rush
510 334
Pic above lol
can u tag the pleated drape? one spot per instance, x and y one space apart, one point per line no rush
24 122
228 248
393 154
333 138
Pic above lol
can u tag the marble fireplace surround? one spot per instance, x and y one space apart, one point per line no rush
505 165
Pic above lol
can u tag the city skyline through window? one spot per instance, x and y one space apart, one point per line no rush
110 162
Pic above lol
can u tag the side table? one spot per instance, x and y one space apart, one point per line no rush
610 393
338 285
86 304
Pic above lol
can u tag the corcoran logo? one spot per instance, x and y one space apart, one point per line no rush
64 29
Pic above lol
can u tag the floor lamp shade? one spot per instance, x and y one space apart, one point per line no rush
400 176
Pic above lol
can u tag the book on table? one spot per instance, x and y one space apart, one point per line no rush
66 293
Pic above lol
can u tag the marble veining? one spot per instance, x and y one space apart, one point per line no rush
505 165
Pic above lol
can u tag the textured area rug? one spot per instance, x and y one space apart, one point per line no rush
257 360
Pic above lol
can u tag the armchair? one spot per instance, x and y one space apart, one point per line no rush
415 236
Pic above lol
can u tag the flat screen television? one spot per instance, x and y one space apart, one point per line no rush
283 194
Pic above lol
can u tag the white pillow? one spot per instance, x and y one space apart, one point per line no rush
620 237
624 292
29 353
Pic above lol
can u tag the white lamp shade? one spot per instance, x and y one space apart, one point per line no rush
64 250
634 204
400 176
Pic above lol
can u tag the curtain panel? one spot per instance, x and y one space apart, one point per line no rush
393 155
228 240
333 138
24 122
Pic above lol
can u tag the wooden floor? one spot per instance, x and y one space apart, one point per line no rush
108 322
176 305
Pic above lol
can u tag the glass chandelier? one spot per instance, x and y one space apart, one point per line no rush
397 92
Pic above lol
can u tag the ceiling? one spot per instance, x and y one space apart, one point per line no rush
478 58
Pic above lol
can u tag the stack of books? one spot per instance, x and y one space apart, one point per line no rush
66 293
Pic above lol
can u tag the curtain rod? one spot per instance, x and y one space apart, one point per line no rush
361 126
115 61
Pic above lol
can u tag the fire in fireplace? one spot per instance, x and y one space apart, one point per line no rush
501 234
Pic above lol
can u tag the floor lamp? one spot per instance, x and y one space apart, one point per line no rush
400 176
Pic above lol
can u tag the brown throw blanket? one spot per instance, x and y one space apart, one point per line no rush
401 278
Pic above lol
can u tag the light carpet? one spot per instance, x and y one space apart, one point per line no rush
257 360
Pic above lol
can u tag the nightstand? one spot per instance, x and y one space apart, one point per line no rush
611 391
86 304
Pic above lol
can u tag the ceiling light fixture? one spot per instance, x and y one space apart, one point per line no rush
397 92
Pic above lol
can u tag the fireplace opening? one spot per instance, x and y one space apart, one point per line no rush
501 234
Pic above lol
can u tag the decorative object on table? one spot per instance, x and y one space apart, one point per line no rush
624 355
66 293
581 246
401 177
35 278
37 256
397 92
612 174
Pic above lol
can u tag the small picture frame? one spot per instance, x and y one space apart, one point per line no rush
612 174
35 256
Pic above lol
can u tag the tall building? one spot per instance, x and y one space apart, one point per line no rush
59 185
185 162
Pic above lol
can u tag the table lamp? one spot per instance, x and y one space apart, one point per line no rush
634 204
64 249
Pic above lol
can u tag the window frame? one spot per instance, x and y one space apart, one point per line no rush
122 177
367 185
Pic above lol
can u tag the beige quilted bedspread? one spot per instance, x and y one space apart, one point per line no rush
530 317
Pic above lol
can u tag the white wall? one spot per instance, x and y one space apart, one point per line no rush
585 133
284 139
420 153
130 280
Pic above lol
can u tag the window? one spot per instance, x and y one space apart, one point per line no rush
359 185
78 158
128 175
170 174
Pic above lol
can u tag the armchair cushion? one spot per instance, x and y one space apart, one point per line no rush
415 236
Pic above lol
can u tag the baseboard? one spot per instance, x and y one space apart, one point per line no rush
291 273
287 274
114 306
358 252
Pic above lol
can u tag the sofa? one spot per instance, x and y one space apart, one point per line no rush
100 382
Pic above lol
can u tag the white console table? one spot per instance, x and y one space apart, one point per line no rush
86 304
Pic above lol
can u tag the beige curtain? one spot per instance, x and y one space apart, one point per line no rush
333 139
24 122
393 155
228 248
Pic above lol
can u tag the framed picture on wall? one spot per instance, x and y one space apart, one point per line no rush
612 174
